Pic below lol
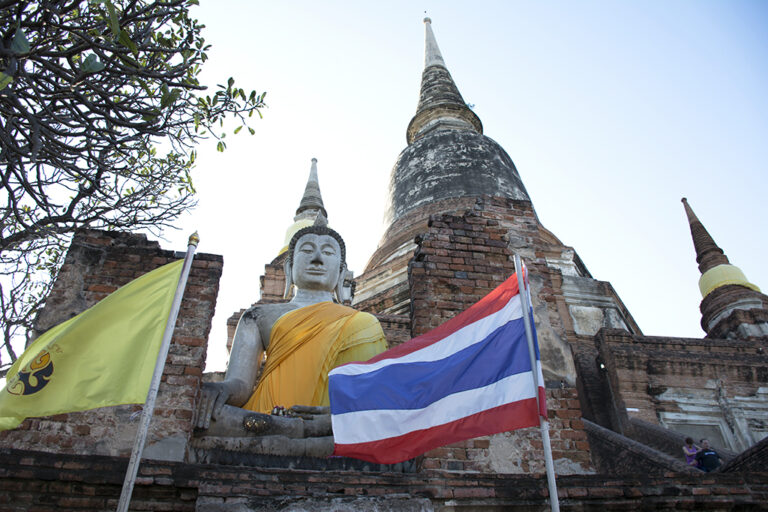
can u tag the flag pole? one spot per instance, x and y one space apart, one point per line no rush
149 405
543 423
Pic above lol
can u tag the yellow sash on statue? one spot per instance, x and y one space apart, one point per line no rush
305 345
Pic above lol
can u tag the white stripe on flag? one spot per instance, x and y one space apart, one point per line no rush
455 342
383 424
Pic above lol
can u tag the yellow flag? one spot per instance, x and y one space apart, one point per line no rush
104 356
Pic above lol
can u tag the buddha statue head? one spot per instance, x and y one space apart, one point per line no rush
316 260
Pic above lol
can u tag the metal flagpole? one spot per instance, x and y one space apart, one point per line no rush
543 423
149 406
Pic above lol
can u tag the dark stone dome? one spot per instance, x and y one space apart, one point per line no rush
451 164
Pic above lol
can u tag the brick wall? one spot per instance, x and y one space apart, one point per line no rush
97 264
272 283
644 365
720 319
754 459
697 381
593 391
397 328
381 291
521 451
458 261
47 482
641 367
412 224
51 482
461 258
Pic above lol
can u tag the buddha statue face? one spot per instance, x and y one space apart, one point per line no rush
316 262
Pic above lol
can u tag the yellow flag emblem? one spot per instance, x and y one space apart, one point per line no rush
104 356
33 377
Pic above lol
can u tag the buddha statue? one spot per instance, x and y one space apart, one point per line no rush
303 339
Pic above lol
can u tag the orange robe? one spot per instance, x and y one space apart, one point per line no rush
307 343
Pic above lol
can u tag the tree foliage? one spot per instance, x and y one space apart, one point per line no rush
101 109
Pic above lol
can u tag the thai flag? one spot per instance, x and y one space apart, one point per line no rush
467 378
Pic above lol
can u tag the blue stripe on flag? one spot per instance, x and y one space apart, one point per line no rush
416 385
535 335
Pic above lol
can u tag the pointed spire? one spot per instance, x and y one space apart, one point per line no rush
310 207
716 270
731 307
441 106
312 201
708 254
432 55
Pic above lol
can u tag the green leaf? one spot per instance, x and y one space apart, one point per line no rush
150 117
5 80
19 44
169 97
251 130
114 25
92 64
125 40
220 147
146 88
193 2
237 130
128 60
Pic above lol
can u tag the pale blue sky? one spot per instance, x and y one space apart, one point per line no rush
611 111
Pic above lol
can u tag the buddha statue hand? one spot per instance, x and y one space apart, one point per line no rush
301 422
317 419
213 396
310 411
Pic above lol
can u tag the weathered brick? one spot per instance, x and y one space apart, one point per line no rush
122 257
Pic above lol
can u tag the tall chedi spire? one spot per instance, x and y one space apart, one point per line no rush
732 307
457 211
311 201
448 163
441 106
311 204
708 254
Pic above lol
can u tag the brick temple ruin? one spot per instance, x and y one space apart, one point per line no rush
620 403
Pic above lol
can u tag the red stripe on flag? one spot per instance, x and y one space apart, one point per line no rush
486 306
492 421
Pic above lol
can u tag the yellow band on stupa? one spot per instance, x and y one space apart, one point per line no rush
295 227
722 275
